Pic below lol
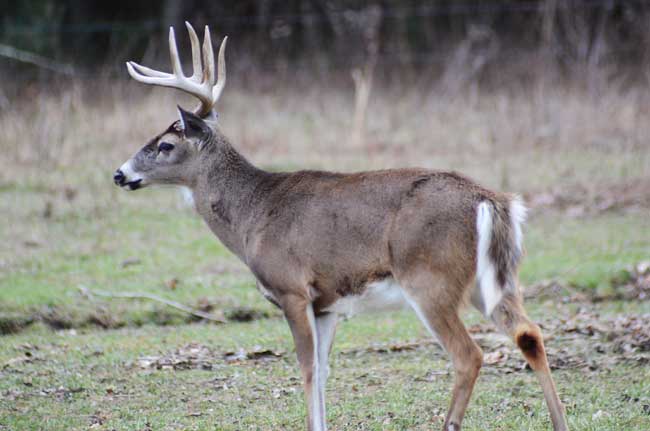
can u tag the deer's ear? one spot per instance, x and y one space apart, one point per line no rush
192 125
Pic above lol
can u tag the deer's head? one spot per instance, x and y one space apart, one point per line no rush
173 156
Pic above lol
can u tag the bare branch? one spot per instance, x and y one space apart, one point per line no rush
143 295
35 59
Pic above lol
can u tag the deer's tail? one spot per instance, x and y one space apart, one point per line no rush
499 250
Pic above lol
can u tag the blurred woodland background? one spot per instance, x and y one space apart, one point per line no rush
567 38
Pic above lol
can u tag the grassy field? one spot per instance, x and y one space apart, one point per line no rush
73 361
87 380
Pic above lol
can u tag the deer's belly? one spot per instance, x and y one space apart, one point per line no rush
379 295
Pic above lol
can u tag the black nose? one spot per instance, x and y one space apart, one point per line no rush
119 178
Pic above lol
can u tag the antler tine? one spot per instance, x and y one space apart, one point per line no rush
145 71
173 55
202 82
208 57
197 69
221 75
141 77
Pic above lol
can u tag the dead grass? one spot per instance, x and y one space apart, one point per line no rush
526 139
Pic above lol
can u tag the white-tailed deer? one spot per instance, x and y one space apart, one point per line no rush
322 244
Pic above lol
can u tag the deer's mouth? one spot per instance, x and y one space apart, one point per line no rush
134 185
129 185
124 177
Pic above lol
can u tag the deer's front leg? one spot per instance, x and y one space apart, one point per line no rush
325 330
300 315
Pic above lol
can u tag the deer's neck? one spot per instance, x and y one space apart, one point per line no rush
226 194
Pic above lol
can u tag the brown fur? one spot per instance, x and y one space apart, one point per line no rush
529 340
312 237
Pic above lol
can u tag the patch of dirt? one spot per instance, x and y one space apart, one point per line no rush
594 342
26 354
12 323
62 393
256 354
245 314
56 318
632 283
588 341
102 316
390 348
199 356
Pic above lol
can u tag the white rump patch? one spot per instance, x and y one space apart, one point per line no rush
379 295
485 271
518 212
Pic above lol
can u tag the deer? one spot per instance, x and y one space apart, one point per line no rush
326 245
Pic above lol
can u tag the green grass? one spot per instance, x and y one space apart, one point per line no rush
91 376
586 252
76 379
116 246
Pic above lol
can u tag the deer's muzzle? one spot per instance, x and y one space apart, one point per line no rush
125 179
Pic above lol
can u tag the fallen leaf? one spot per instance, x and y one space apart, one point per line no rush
496 357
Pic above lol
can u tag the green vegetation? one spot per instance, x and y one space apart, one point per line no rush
585 252
88 377
75 381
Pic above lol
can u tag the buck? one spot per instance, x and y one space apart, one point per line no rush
323 244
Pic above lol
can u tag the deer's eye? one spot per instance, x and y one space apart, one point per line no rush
165 147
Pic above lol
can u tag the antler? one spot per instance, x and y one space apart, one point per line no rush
202 82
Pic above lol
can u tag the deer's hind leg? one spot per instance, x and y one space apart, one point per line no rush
510 317
437 301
